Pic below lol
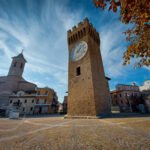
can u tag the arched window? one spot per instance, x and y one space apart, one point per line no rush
15 64
84 32
76 36
81 33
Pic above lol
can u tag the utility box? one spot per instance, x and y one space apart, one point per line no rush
14 114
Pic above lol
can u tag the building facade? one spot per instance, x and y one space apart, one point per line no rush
146 98
24 101
14 80
47 101
127 97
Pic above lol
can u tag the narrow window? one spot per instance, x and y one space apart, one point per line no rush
33 101
71 39
84 31
23 109
31 108
21 66
78 71
15 64
10 101
76 36
38 92
79 34
25 101
120 95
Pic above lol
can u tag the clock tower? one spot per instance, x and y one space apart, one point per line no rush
88 94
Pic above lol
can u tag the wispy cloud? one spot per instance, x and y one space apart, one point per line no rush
40 28
43 36
112 46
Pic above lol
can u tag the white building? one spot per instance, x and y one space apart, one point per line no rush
146 86
24 101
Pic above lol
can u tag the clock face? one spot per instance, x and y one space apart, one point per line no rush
78 51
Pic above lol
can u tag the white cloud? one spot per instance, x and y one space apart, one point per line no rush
112 47
148 68
44 40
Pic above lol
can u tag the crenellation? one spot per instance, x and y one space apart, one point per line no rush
81 30
80 24
86 21
74 29
90 25
68 32
94 30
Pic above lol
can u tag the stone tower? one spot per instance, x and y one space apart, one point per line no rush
88 94
17 66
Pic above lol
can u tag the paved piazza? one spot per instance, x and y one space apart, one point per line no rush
56 133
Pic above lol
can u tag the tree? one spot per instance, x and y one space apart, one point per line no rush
136 12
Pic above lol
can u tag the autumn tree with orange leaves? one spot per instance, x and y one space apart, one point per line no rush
136 12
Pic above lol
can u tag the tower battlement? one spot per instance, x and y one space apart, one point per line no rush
83 28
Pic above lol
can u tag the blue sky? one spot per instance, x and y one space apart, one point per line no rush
40 28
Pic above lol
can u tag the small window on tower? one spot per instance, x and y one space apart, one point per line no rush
21 66
15 64
78 71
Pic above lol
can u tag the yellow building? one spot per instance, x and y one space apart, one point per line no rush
126 97
47 101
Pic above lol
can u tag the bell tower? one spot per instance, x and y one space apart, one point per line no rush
88 94
17 65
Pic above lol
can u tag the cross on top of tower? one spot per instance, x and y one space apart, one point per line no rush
22 51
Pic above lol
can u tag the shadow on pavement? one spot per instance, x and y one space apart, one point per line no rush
124 115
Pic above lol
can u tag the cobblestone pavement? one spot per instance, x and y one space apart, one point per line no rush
57 133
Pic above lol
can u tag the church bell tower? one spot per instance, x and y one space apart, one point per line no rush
88 94
17 65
